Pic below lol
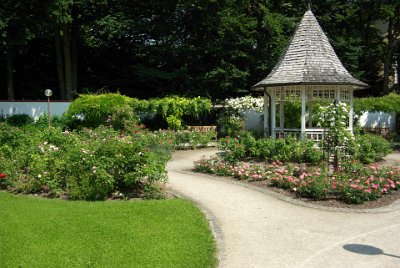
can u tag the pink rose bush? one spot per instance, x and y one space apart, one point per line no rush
352 183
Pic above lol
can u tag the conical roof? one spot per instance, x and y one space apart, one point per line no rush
309 60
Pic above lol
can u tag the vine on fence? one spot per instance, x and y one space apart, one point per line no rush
91 110
172 109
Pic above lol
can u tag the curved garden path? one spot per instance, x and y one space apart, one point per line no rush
255 228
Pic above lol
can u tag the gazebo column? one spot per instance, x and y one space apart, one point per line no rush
303 113
351 112
273 115
337 93
310 112
282 112
267 112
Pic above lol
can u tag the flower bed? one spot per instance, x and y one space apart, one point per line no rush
352 183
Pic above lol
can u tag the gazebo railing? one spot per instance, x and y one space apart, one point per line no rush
314 134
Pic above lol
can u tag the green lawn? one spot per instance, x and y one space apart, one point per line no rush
37 232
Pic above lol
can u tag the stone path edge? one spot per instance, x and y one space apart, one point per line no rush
214 225
395 206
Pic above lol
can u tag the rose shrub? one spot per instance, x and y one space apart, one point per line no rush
89 164
352 183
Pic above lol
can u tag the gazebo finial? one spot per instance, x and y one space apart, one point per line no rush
309 5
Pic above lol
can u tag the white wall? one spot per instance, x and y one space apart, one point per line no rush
378 120
32 108
254 120
36 108
367 120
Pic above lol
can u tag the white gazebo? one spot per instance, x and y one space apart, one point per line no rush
309 70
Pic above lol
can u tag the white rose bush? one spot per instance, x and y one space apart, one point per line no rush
232 119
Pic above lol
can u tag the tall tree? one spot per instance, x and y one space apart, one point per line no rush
63 13
390 11
18 26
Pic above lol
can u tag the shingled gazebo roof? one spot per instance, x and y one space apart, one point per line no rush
309 60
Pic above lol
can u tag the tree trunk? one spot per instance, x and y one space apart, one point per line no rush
67 61
398 64
60 65
387 67
74 58
10 74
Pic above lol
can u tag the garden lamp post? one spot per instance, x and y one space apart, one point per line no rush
48 93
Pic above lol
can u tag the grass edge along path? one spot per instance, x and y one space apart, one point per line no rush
36 232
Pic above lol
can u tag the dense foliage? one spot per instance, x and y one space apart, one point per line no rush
337 140
389 103
90 164
92 110
172 109
246 146
188 47
367 148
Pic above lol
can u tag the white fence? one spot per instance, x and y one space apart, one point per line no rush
32 108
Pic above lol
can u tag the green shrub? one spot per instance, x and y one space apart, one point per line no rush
367 148
311 153
88 164
233 149
19 120
244 145
95 110
55 121
372 148
13 136
266 148
171 110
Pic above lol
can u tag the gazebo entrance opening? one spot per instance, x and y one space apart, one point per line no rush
293 110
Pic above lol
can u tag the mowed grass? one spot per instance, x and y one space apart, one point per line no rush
37 232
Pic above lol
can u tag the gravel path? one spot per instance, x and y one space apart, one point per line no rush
256 229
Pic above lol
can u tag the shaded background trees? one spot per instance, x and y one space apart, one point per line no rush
214 48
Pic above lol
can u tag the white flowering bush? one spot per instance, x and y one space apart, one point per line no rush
338 140
243 104
232 119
